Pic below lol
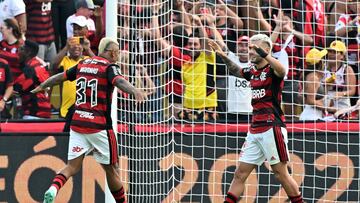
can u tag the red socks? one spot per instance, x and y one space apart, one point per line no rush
230 198
59 181
296 199
119 195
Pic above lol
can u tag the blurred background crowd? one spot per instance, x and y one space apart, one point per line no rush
165 51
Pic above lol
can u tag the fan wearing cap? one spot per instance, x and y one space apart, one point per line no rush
91 126
343 84
314 89
87 9
87 39
238 92
267 137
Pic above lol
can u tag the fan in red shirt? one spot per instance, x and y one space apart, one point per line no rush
9 46
6 88
91 125
267 138
34 72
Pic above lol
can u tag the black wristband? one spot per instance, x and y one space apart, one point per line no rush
261 52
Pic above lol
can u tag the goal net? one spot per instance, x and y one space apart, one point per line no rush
183 143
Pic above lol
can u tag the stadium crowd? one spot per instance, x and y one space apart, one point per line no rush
317 41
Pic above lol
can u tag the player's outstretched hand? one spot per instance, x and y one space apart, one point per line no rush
37 89
140 96
216 47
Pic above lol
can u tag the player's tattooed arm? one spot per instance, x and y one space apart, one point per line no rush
53 80
127 87
124 85
232 66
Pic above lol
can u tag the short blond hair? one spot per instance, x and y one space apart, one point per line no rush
263 38
105 42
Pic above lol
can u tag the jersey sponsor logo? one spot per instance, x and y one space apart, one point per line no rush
93 61
87 61
89 70
258 94
84 114
77 149
242 83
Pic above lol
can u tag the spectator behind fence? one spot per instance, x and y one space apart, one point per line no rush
287 42
228 25
40 27
339 77
239 93
149 56
6 89
309 18
34 106
348 28
10 44
13 9
200 95
314 89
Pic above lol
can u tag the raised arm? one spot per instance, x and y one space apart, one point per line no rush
202 33
276 32
156 34
215 35
278 68
185 18
233 17
98 21
57 59
231 65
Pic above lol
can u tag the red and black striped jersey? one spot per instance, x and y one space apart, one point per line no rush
39 22
94 86
266 98
10 52
5 77
34 73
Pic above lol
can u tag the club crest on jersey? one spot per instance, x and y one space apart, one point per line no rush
263 76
